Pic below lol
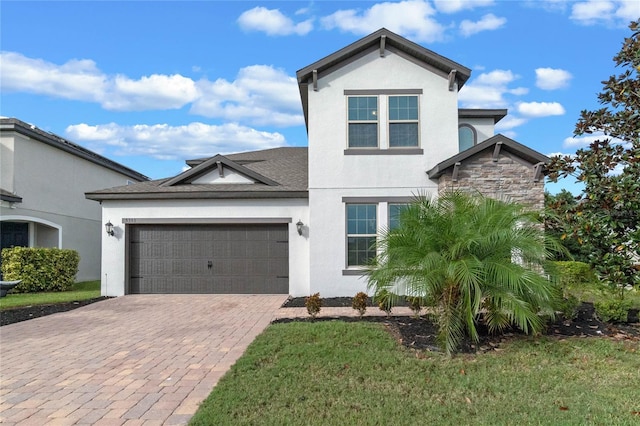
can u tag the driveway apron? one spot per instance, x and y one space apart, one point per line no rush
132 360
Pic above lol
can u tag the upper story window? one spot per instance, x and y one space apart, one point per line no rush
403 121
466 137
363 121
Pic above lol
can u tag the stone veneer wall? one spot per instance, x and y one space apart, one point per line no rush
509 179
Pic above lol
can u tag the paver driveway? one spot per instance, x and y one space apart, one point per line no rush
143 359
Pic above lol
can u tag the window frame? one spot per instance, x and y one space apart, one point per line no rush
473 132
391 121
390 217
356 235
376 121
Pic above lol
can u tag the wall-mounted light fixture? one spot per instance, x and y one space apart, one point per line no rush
109 228
299 226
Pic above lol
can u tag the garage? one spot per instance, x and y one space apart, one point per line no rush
205 258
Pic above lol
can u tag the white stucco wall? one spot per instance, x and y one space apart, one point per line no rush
52 184
334 175
485 127
113 248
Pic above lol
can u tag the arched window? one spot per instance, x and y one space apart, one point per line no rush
466 137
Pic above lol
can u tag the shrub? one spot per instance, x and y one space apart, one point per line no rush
614 310
313 304
574 273
384 299
40 269
569 306
415 304
359 303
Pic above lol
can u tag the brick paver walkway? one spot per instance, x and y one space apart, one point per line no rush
133 360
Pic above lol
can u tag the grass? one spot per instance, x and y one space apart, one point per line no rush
337 373
80 291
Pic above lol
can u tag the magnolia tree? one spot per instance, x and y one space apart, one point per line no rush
606 215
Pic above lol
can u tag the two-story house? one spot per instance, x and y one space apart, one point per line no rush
43 178
383 125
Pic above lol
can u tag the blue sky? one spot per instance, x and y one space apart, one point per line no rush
151 84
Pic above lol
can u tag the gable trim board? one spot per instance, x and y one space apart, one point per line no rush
381 39
520 151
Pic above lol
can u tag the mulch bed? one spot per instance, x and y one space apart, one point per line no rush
420 333
416 333
13 315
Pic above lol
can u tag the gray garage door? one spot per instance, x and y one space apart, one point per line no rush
209 259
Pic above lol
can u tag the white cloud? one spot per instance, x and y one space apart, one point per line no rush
488 90
260 94
585 140
540 109
488 22
453 6
272 22
76 79
166 142
552 79
81 80
615 12
411 18
509 122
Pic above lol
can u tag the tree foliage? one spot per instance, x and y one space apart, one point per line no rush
462 255
559 209
607 213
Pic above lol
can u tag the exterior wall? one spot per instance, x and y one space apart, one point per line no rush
114 248
485 127
52 184
507 179
334 175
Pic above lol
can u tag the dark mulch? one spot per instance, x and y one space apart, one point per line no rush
420 333
13 315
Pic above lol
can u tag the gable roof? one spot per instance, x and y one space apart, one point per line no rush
214 163
32 132
382 39
506 144
278 172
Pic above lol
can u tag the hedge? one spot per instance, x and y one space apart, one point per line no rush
40 269
574 273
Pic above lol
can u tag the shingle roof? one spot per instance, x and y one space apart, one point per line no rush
13 124
287 167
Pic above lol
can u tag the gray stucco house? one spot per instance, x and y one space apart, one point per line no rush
383 123
42 204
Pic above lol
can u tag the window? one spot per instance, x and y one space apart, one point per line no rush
466 137
363 121
361 233
395 210
403 121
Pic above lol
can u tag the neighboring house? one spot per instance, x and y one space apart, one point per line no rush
43 180
383 124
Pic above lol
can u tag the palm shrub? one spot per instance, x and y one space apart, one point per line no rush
471 258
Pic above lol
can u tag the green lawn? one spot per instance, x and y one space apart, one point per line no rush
598 292
336 373
81 291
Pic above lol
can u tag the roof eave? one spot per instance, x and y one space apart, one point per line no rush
510 145
204 195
